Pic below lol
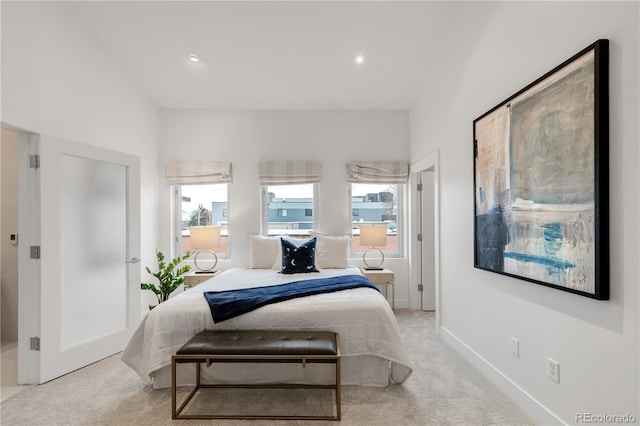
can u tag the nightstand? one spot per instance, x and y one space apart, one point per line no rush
194 278
383 277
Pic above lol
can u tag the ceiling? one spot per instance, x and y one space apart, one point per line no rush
278 55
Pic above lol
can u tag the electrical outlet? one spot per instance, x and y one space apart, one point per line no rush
553 370
515 347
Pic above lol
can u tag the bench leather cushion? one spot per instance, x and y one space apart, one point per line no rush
261 342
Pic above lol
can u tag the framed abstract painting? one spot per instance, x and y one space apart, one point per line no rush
541 179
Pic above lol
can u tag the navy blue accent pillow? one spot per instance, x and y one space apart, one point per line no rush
298 259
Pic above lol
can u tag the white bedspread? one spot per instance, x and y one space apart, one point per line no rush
367 328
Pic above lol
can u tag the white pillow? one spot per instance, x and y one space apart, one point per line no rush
332 251
264 252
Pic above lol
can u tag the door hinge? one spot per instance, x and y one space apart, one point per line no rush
419 237
34 343
34 252
420 288
419 187
34 161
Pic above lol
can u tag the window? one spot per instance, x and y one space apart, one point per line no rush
201 205
377 204
289 189
288 209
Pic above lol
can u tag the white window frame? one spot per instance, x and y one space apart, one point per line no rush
264 207
401 219
177 221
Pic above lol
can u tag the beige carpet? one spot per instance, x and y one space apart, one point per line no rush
443 390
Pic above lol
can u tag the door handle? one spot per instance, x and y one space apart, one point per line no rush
132 260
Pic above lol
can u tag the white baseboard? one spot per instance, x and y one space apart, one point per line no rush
532 406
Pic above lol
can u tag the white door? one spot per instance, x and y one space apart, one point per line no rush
427 220
90 244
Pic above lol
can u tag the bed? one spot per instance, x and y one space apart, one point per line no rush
373 353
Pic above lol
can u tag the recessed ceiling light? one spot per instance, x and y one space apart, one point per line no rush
193 57
359 59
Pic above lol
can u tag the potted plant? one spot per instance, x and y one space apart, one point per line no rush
169 278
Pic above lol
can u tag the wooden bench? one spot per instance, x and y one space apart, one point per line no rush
268 346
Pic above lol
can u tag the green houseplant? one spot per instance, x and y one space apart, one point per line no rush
169 278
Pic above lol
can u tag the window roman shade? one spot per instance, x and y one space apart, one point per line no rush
198 172
377 171
289 172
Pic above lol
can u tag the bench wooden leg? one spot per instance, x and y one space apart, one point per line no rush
173 387
338 389
176 411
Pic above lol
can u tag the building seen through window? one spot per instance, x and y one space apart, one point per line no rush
375 204
289 209
203 205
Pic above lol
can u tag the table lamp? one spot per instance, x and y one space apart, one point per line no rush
374 236
204 239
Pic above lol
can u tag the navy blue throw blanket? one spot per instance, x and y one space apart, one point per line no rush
225 305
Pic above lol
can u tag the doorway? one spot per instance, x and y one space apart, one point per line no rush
81 256
425 243
425 271
9 260
16 218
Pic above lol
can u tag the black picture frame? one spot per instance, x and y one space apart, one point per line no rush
541 179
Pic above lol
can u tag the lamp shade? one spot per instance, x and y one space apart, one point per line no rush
373 235
204 237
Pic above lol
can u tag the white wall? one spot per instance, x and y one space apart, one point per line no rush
58 80
596 342
246 137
